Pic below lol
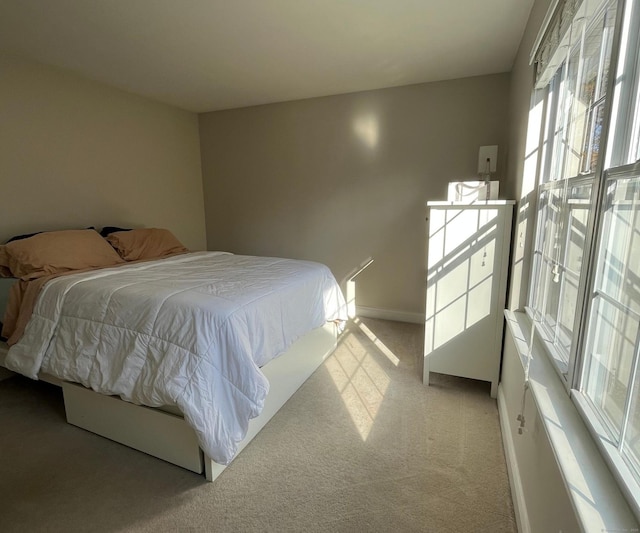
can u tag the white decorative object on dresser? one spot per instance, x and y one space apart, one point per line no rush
467 266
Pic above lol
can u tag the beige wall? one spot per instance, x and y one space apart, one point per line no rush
76 153
342 178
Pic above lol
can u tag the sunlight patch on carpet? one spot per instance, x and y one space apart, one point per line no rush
361 381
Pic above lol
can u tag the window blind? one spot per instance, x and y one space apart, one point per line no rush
555 37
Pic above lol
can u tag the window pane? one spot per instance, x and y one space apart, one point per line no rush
610 356
634 148
623 145
587 108
566 314
566 154
545 255
577 111
564 211
551 283
592 139
618 272
535 294
579 203
609 22
614 324
551 224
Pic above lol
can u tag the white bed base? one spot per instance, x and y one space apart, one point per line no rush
165 434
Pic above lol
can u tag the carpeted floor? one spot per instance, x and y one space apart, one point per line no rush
362 446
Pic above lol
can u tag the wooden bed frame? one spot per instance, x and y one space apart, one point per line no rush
164 433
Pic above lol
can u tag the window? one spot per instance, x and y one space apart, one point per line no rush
576 101
564 207
611 374
584 296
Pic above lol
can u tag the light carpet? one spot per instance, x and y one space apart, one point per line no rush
362 446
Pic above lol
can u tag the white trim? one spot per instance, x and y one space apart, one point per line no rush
515 481
390 314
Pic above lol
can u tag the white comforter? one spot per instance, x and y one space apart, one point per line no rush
192 330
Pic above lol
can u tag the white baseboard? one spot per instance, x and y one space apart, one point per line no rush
390 314
517 493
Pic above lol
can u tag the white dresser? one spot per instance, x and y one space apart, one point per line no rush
467 269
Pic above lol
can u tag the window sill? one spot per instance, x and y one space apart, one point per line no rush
598 503
619 469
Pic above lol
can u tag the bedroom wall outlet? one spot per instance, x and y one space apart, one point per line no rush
490 153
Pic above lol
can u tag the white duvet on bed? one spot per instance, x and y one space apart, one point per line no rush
191 330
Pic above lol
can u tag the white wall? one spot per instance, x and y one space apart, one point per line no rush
545 501
342 178
76 153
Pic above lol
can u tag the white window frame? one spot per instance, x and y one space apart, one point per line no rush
627 476
617 125
551 168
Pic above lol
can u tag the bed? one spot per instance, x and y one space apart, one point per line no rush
185 357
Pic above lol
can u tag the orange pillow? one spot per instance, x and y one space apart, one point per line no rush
145 243
54 252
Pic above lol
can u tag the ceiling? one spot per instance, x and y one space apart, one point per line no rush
205 55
